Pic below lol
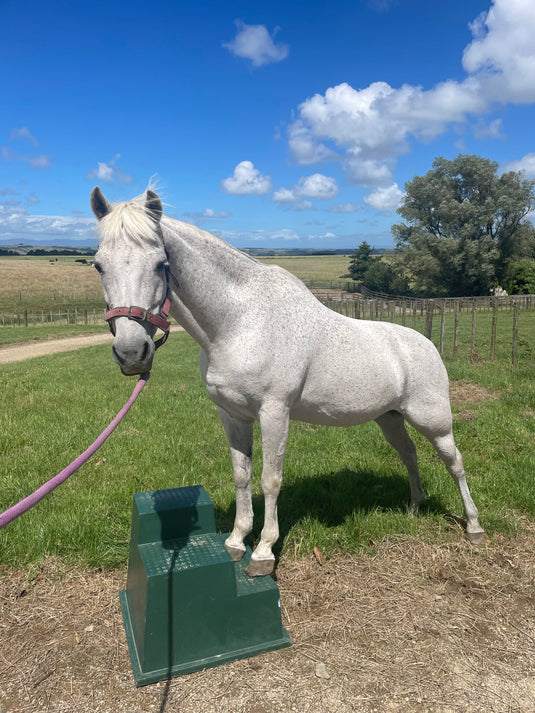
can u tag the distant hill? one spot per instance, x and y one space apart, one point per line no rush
267 252
21 249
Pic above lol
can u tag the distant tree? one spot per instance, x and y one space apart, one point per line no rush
464 226
360 262
521 278
375 273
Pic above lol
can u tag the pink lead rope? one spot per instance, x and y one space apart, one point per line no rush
28 502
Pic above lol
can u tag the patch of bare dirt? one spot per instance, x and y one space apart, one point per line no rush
467 392
414 628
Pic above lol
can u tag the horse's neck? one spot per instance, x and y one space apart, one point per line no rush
208 279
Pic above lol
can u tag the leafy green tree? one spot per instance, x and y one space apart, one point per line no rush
521 278
375 273
464 225
383 276
360 261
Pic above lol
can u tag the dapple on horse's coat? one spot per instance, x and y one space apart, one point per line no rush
270 352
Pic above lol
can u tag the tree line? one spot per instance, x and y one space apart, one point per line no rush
465 231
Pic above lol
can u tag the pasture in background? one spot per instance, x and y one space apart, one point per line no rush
53 297
344 489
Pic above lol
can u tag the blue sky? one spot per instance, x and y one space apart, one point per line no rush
271 124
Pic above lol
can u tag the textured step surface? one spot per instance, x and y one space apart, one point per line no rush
187 605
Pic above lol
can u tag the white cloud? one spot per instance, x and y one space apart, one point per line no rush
385 200
526 164
318 186
23 133
503 52
344 208
325 236
246 180
369 129
109 172
490 130
305 147
17 223
289 198
255 43
36 162
206 216
315 186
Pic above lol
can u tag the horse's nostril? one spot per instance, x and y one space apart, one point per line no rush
145 351
117 356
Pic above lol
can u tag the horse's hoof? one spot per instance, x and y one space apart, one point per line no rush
476 538
235 552
259 568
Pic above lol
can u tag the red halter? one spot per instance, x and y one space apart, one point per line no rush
141 315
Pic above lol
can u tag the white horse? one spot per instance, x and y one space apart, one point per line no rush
270 351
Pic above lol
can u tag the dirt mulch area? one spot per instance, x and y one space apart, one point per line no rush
413 628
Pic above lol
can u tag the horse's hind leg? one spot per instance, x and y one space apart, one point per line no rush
435 425
240 438
393 426
447 450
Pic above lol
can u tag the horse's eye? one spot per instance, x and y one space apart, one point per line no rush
97 267
163 265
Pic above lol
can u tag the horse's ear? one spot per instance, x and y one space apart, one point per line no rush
153 206
99 204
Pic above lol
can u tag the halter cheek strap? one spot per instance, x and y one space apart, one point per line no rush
141 315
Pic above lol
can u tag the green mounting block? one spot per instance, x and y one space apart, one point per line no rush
187 605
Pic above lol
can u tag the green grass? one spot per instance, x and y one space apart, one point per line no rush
344 488
311 267
17 335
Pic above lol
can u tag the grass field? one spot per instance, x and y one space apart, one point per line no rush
34 284
344 488
311 267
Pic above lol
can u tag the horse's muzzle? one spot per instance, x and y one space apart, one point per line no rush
133 349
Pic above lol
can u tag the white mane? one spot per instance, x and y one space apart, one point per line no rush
129 222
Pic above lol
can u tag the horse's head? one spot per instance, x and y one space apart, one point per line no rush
132 263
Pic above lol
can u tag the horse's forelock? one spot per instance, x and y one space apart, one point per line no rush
129 223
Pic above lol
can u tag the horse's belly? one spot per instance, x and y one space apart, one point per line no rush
341 405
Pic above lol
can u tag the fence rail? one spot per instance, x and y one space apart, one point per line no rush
429 316
433 317
56 317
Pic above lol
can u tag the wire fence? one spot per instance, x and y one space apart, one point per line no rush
450 322
53 317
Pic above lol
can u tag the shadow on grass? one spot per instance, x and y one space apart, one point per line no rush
331 499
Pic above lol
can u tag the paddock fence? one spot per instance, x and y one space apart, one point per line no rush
460 327
35 318
477 322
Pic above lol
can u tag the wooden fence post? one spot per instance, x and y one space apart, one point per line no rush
456 310
493 329
442 327
473 336
429 318
515 333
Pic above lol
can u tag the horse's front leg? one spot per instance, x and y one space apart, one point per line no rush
274 422
240 438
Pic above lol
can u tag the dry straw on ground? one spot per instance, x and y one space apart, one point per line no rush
413 628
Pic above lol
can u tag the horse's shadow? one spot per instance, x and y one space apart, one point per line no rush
331 499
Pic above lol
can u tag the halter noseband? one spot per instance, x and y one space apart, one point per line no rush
141 315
